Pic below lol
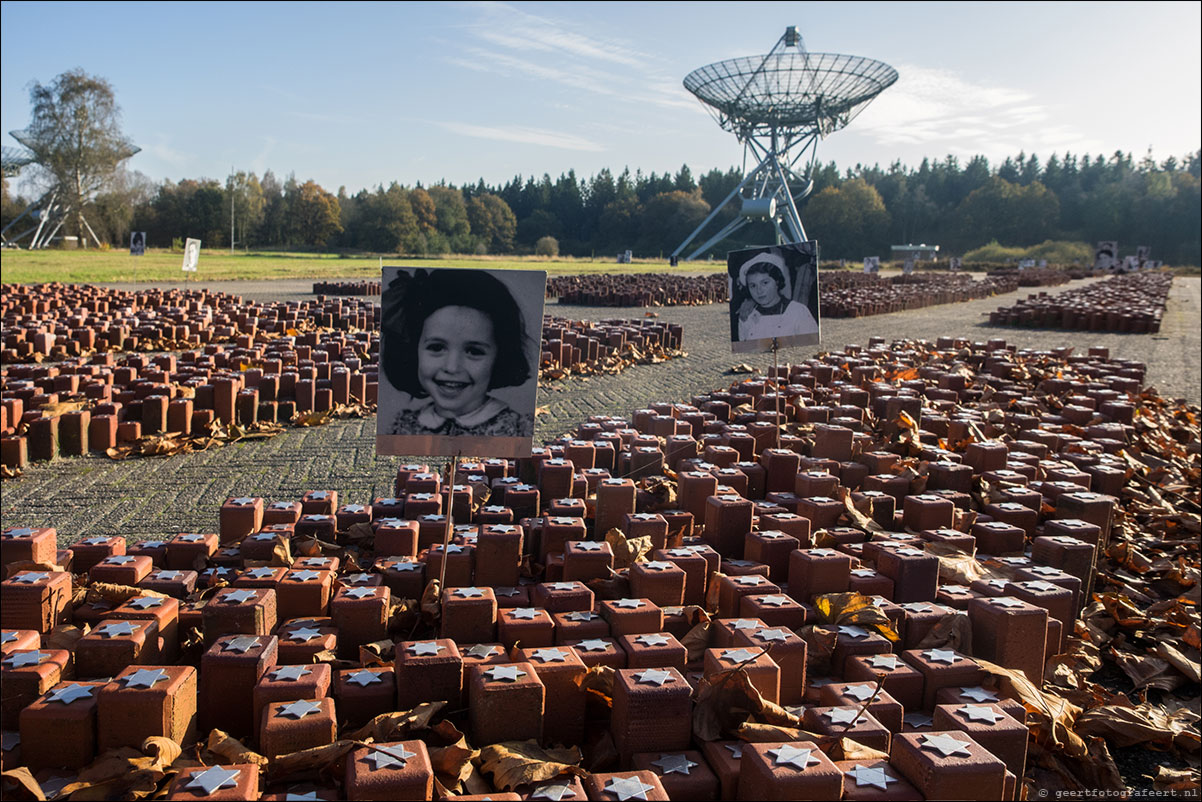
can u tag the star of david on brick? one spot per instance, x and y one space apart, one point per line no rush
289 673
980 713
237 596
23 659
213 779
871 776
144 678
652 639
70 693
549 655
592 645
304 634
844 715
788 755
945 744
674 764
739 655
1041 586
554 792
298 709
653 676
116 629
861 692
385 757
885 661
504 673
627 788
364 678
942 656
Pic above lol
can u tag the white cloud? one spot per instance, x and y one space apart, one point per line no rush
512 28
259 163
523 135
513 42
167 154
942 109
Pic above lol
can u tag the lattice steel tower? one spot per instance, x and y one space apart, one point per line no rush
779 106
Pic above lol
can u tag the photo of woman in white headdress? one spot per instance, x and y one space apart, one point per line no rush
773 296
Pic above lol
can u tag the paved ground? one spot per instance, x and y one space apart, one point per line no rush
155 498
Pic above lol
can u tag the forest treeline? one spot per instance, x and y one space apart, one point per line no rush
853 212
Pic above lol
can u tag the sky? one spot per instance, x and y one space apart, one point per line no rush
363 94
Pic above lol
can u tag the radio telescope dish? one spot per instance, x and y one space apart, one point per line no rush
779 106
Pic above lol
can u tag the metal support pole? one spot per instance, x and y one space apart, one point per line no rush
452 466
776 392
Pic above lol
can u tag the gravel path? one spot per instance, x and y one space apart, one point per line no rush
156 498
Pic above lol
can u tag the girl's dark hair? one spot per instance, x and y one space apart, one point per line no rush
410 299
771 270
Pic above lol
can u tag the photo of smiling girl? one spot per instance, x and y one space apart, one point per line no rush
458 361
773 297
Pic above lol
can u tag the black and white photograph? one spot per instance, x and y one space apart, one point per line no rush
137 243
191 255
773 296
1106 256
459 357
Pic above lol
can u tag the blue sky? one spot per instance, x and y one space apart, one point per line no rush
361 94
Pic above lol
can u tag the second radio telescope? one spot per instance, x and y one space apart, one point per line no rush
779 106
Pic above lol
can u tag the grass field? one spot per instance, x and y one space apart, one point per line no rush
157 266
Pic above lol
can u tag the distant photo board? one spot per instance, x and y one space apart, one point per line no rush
191 255
872 264
956 264
459 358
137 243
1106 256
773 296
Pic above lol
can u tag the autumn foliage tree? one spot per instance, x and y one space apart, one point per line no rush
315 215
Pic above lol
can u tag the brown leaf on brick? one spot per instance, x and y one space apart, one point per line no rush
514 763
228 749
599 681
398 726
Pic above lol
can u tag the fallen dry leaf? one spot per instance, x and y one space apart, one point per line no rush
514 763
229 749
398 726
25 781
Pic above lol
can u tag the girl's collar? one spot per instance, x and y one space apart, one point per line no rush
776 309
430 418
